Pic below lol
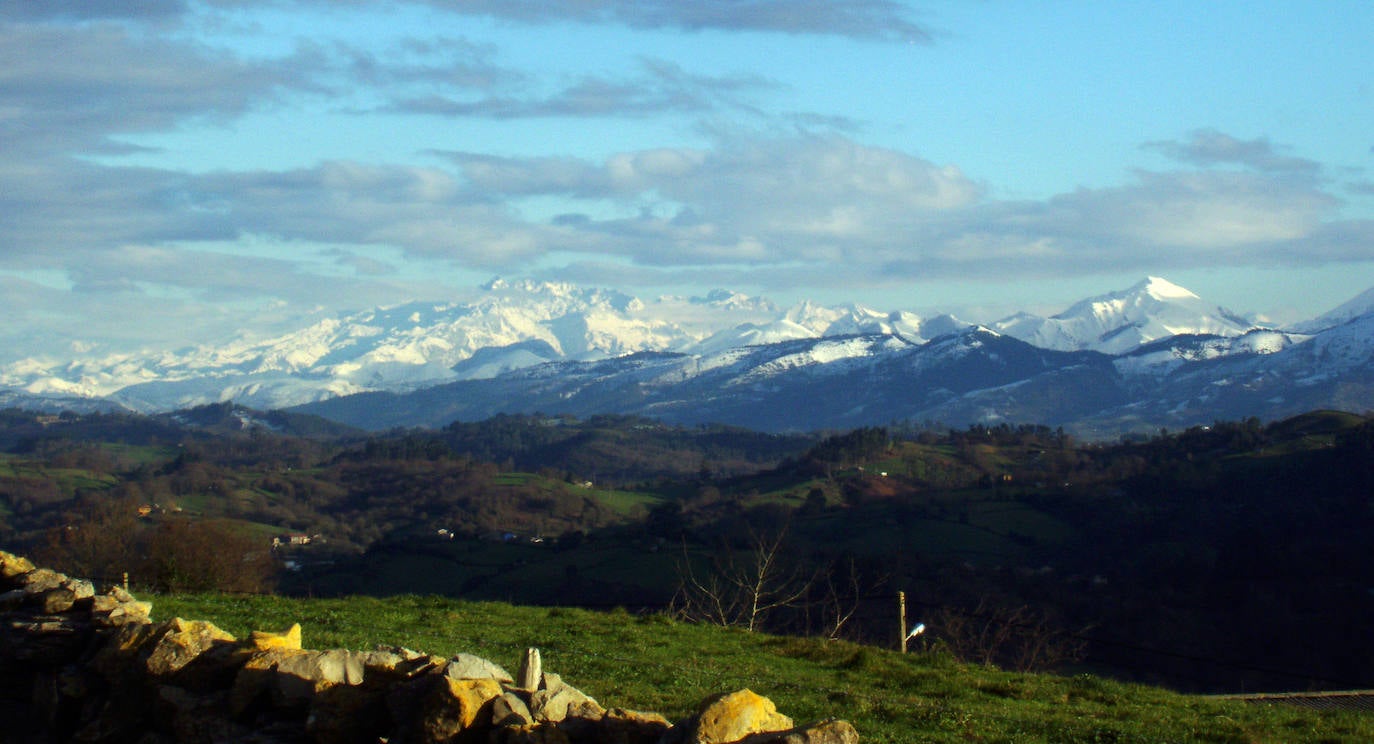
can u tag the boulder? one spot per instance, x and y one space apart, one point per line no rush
730 717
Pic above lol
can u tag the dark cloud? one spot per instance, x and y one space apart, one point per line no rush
1206 147
72 89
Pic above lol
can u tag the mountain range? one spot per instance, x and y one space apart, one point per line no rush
1153 355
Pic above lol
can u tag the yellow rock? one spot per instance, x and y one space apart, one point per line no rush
730 717
12 565
181 642
262 640
456 707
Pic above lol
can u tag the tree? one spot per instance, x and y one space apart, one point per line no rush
1020 638
196 556
742 587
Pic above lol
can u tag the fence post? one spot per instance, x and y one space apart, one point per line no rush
901 614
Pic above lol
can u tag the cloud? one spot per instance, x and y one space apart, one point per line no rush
43 10
1207 147
71 89
662 87
884 20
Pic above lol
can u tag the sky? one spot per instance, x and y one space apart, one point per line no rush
176 172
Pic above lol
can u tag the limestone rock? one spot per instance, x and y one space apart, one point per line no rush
620 726
262 640
510 710
730 717
180 643
118 607
555 698
40 580
825 732
457 710
12 565
349 714
468 666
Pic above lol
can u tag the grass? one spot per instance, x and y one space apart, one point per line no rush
655 663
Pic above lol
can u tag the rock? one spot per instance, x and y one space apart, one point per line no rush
118 607
552 702
300 675
468 666
82 588
532 734
729 717
825 732
12 565
262 640
620 726
510 710
530 669
457 710
40 580
349 714
180 643
13 599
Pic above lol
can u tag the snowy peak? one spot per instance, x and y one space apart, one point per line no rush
1361 305
1118 322
1161 289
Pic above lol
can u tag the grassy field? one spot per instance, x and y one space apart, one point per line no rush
655 663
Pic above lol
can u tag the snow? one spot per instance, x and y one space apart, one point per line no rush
1119 322
517 324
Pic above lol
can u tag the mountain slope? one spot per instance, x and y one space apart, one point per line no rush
1118 322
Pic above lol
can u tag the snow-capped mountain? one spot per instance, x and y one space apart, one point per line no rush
1361 304
974 376
511 324
1154 354
1118 322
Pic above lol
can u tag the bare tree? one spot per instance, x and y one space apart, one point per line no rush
1020 638
742 587
841 595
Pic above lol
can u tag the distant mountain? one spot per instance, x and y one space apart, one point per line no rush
1361 304
975 376
1154 354
1121 321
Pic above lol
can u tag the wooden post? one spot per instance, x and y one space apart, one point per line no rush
901 613
530 670
126 581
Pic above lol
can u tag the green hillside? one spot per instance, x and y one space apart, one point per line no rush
654 663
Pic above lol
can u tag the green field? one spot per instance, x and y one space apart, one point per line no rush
655 663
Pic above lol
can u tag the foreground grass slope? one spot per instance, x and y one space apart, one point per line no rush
654 663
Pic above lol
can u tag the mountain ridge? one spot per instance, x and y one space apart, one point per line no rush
1148 337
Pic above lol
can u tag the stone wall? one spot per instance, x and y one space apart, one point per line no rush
82 666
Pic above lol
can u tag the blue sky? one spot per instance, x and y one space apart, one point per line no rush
175 171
